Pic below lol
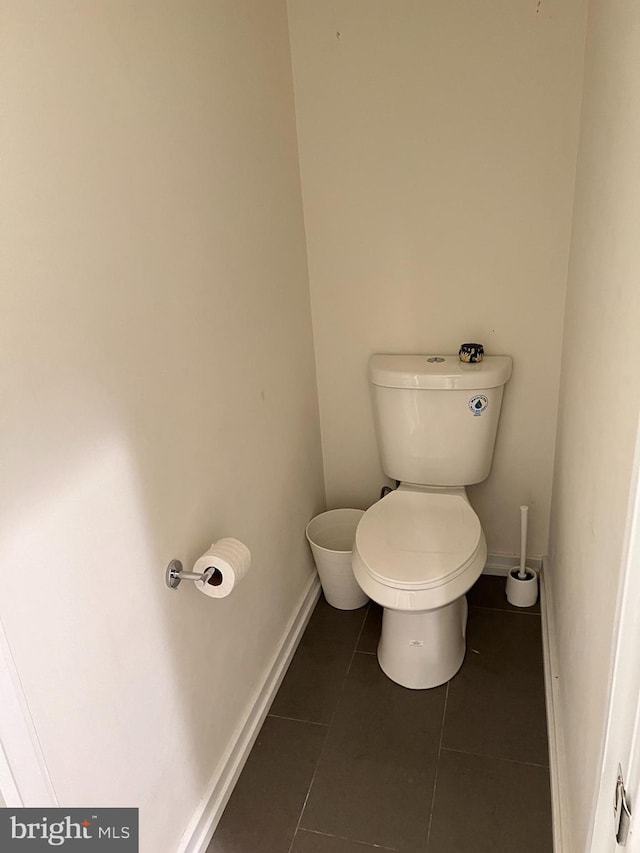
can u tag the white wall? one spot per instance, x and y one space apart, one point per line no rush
157 382
599 396
437 146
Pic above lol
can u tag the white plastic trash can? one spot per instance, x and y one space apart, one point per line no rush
331 536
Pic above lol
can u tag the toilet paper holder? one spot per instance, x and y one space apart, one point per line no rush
175 574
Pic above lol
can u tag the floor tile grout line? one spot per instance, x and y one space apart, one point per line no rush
326 737
353 654
435 779
304 804
495 757
504 610
354 840
355 648
299 720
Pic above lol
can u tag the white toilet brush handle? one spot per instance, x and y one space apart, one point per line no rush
524 513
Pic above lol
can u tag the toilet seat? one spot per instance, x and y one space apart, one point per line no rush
417 540
414 549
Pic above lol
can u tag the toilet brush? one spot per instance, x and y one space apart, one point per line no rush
522 581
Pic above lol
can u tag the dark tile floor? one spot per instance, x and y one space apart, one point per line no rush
349 762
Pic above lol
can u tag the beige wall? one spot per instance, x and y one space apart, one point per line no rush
599 396
157 382
437 145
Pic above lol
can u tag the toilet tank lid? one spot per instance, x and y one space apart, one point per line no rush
444 372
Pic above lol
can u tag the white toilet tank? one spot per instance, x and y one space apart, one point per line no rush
436 418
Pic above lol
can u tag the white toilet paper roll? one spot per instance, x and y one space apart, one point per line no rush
230 559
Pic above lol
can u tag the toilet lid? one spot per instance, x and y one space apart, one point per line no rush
417 539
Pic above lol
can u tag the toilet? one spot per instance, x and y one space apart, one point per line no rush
418 550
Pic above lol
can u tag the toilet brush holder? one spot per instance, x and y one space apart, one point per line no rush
522 592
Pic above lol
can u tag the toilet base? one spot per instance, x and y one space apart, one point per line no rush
422 649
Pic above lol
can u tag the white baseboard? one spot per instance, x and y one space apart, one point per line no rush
499 564
556 748
202 825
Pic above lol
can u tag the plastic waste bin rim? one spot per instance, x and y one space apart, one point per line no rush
320 515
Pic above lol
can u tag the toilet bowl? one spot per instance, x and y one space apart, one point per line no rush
419 549
416 553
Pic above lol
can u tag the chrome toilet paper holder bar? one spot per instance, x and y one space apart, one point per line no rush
175 574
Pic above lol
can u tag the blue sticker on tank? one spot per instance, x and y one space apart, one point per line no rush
478 404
